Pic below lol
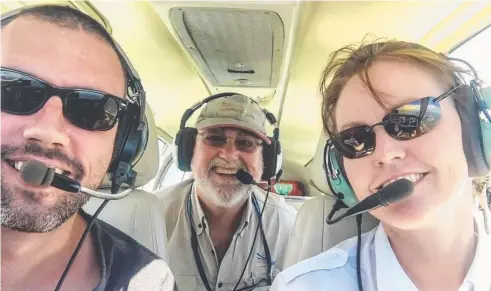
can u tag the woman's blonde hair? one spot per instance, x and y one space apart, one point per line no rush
356 60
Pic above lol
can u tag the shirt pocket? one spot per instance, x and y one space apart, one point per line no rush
186 283
257 271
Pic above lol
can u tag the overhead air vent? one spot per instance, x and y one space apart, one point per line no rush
232 47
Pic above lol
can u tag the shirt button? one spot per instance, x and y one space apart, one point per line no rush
220 285
199 225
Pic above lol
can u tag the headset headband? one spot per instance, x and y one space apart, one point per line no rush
189 112
475 86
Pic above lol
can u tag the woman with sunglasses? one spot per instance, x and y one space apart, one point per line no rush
397 110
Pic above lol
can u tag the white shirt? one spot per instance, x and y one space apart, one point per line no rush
335 269
278 219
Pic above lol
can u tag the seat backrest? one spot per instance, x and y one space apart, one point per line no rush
311 234
139 214
296 201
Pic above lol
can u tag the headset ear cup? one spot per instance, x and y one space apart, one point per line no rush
269 159
121 134
337 179
143 136
184 148
267 165
471 133
129 141
486 123
279 158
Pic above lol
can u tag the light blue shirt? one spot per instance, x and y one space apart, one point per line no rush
335 269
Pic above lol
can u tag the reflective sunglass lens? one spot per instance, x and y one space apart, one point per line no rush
91 110
414 119
355 142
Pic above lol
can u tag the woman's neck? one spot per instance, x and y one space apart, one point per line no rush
439 256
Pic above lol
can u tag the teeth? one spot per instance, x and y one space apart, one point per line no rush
59 171
18 165
411 177
225 171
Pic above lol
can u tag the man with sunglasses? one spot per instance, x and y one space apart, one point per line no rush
63 93
417 120
212 219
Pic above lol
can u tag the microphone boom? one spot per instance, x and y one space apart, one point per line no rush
244 177
36 173
389 194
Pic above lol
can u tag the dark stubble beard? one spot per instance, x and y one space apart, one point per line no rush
22 210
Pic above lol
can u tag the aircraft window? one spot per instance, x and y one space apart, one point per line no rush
168 173
172 176
163 152
476 51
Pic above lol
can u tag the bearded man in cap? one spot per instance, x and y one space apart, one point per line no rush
212 219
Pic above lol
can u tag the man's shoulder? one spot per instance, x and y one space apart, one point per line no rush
173 199
128 263
119 241
156 275
175 193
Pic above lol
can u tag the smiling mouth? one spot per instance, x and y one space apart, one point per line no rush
415 178
17 165
225 171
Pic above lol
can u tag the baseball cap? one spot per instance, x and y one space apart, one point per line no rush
237 111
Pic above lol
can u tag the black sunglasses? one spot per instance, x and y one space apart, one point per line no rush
403 123
23 94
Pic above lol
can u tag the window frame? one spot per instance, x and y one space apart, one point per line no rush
484 74
168 160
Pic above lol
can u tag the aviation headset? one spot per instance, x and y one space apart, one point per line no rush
475 119
186 138
132 134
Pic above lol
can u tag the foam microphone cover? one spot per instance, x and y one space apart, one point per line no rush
244 177
36 173
395 191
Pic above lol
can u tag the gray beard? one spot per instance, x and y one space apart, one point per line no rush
224 195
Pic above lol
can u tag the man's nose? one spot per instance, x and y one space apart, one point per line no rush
48 126
229 150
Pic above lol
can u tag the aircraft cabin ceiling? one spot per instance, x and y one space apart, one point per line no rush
286 45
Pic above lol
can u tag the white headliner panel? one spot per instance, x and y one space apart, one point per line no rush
170 80
173 84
